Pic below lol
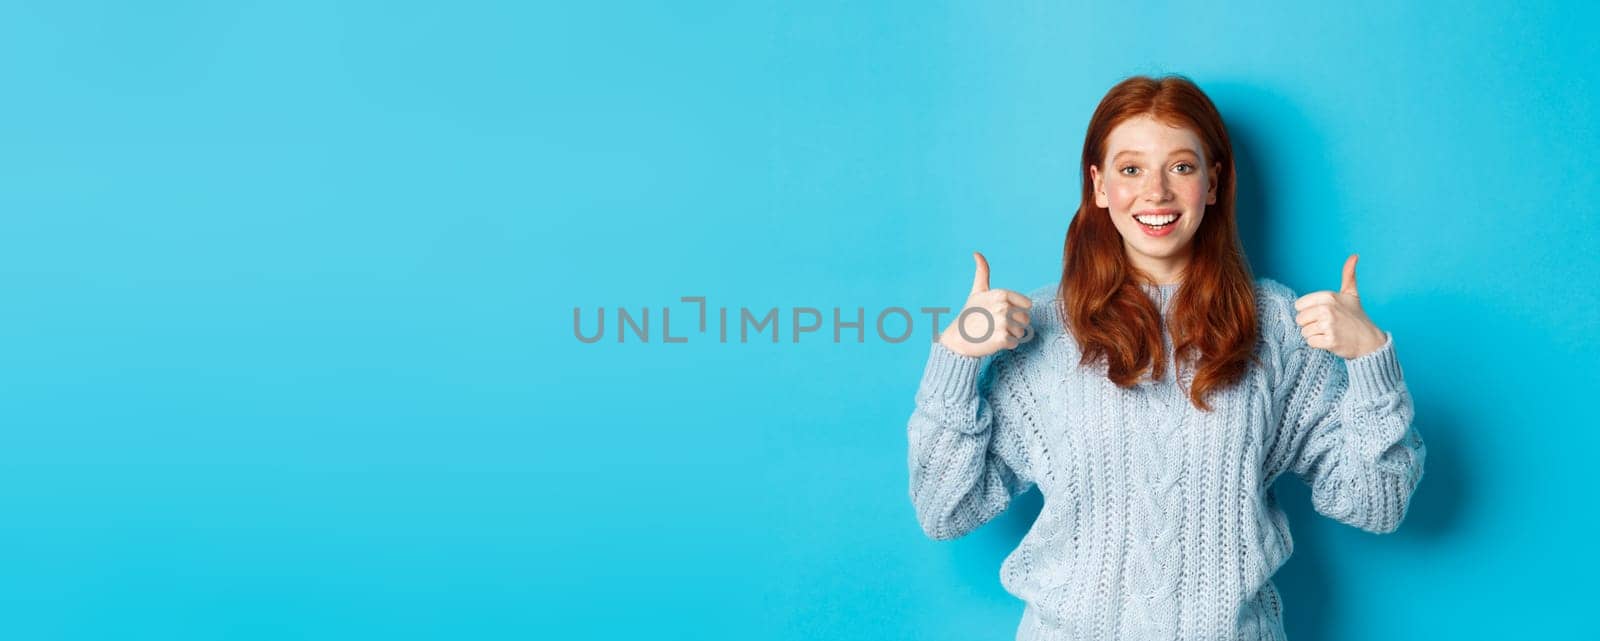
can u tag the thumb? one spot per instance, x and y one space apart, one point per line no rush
1347 285
980 279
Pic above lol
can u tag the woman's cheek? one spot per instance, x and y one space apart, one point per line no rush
1123 198
1197 191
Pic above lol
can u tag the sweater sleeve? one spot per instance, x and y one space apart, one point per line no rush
967 454
1353 439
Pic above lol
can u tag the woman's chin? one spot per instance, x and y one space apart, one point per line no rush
1164 247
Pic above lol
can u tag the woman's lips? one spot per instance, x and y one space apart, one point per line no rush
1161 230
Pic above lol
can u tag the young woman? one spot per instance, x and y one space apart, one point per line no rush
1159 521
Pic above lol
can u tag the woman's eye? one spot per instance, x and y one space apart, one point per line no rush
1125 170
1187 167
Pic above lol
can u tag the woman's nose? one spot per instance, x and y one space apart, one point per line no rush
1156 190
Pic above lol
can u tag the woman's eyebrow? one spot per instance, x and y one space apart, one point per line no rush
1175 152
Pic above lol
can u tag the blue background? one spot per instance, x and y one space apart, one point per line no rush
288 293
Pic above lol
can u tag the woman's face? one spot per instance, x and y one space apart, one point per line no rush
1151 172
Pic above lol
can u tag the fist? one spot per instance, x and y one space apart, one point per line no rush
992 319
1335 322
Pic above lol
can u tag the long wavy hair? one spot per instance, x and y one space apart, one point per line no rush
1213 317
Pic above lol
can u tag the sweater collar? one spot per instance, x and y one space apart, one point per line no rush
1162 294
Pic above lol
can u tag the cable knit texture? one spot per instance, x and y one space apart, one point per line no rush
1159 521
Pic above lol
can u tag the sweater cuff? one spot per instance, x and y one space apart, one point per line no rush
949 376
1375 373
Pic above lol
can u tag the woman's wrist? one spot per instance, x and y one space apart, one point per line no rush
1376 372
951 376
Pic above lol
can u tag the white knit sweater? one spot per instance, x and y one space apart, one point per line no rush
1158 518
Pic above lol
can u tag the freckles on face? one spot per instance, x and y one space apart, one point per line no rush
1153 169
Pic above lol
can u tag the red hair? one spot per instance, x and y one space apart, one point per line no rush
1213 317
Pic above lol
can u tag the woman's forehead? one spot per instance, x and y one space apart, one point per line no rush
1146 136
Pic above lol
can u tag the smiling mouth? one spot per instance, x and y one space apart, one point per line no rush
1154 221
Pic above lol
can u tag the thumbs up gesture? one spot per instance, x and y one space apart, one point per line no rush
1334 321
992 319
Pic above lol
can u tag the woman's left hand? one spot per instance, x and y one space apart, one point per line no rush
1334 321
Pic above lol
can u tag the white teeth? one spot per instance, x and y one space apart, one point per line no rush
1157 220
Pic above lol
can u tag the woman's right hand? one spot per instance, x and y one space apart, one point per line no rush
992 319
